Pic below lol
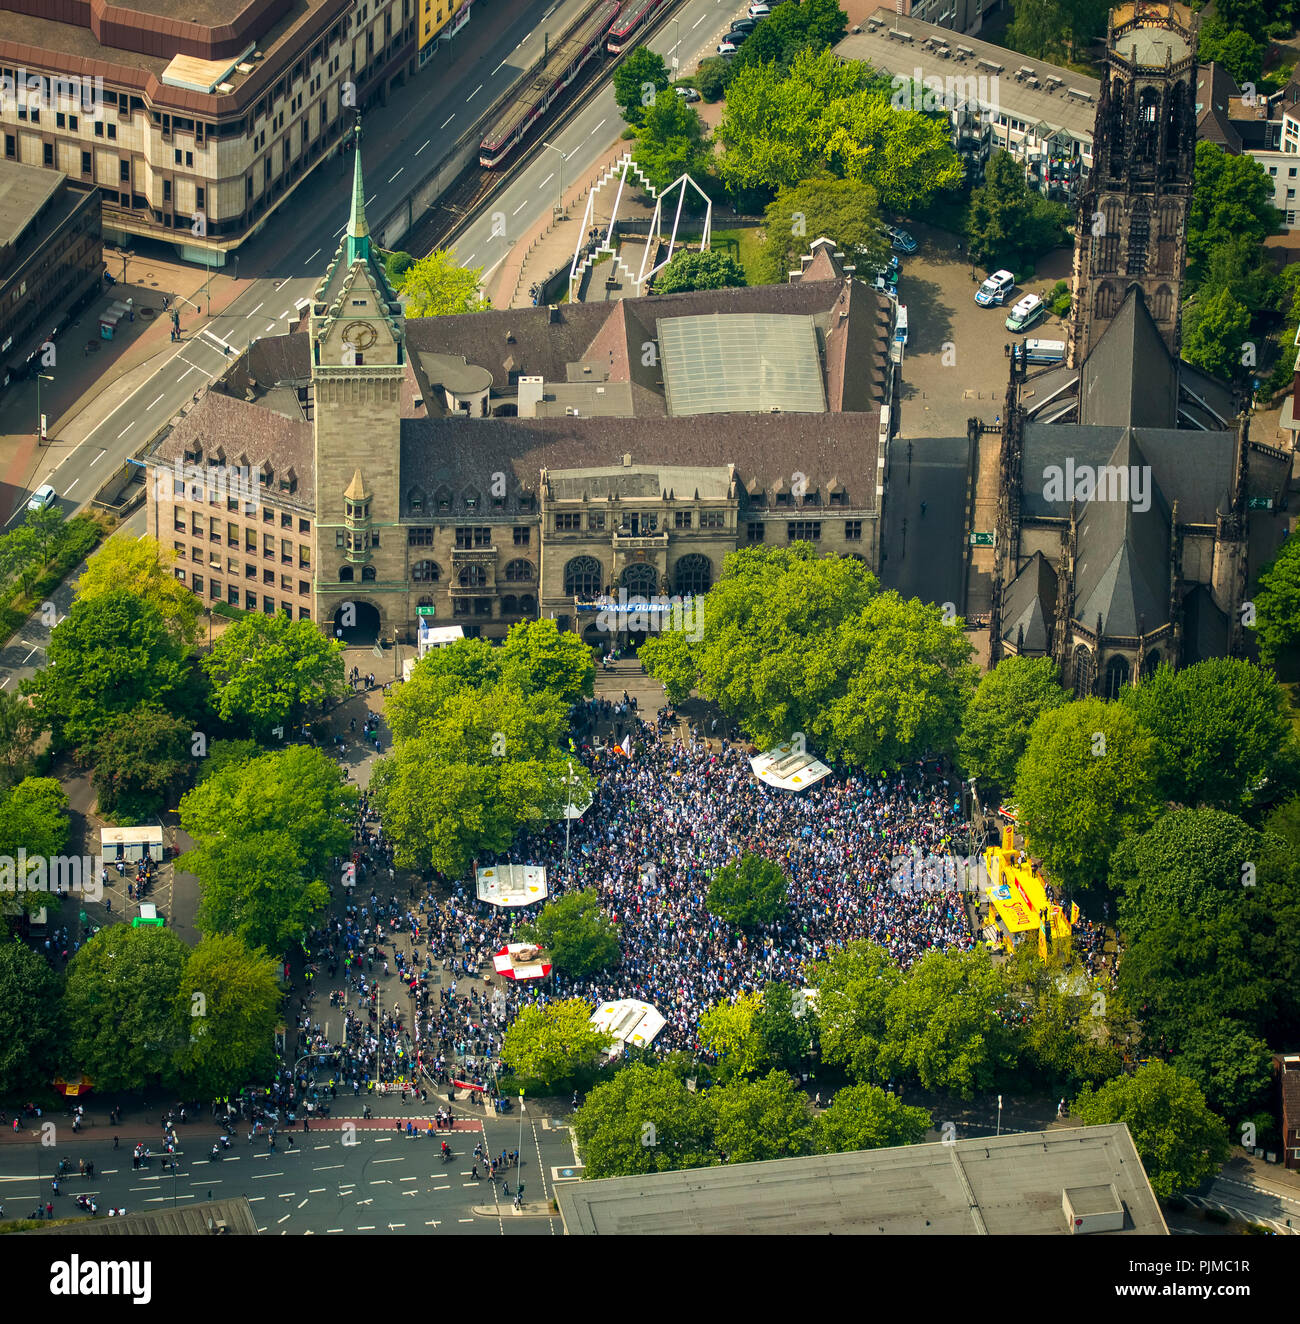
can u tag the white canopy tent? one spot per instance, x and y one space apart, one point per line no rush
788 768
629 1021
511 884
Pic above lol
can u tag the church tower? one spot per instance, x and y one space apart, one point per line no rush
1131 226
358 363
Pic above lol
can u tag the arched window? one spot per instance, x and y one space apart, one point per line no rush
345 574
1139 235
519 572
693 574
426 572
641 580
1162 304
368 574
442 498
527 605
472 576
1108 237
470 498
415 499
582 577
1082 671
1117 674
509 605
1105 302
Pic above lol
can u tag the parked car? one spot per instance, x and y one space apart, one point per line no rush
744 25
882 285
900 240
759 9
994 291
727 47
688 94
1026 312
43 498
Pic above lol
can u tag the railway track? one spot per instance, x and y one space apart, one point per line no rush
475 186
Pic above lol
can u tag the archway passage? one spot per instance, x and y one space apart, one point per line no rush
356 624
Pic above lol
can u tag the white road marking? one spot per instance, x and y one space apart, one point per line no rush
285 1219
252 1198
473 94
187 372
547 180
445 122
371 199
24 662
261 1176
68 490
596 129
316 1190
152 403
270 326
697 22
123 432
253 310
425 144
408 1179
391 1226
333 1229
156 1199
304 1201
494 71
365 1227
315 254
399 1159
399 171
206 1183
464 1220
94 462
520 208
443 1188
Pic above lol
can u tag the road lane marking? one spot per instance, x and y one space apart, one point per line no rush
316 1190
333 1229
547 180
305 264
365 1227
399 171
304 1202
252 311
464 1220
443 1188
123 432
445 122
697 22
261 1176
252 1198
422 147
154 402
473 94
94 462
494 71
187 372
67 491
520 208
596 129
285 1219
270 326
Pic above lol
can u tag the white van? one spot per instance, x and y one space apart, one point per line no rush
900 324
1044 351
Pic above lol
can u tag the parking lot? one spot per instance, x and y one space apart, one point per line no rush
956 362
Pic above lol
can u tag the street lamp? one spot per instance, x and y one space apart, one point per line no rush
519 1153
677 43
559 200
40 431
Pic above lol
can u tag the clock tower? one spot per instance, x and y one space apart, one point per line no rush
358 363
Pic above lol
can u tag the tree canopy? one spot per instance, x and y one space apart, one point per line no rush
31 1019
1086 780
867 1117
1232 198
143 567
844 211
640 76
577 933
749 890
437 286
554 1043
727 1030
1179 1140
688 270
672 141
1277 605
758 1120
1005 705
138 760
1009 223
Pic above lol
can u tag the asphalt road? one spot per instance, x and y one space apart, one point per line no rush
692 34
340 1177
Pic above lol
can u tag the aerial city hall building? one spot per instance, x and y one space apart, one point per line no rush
1133 508
366 471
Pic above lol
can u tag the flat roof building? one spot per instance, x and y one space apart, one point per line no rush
999 1186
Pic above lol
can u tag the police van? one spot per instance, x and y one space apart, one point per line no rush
1025 313
1043 351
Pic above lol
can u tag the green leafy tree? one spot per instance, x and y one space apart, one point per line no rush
785 1037
20 556
711 78
758 1120
946 1023
1055 28
670 659
1216 328
540 658
577 933
995 729
750 890
396 265
46 524
1220 730
412 708
108 656
16 738
689 270
1277 605
1190 863
793 642
643 1120
554 1044
1232 198
1235 50
265 670
437 287
1086 780
1284 821
867 1117
120 1005
34 816
1009 223
672 141
854 985
1179 1140
728 1031
143 567
637 81
842 210
229 1001
138 760
1232 1068
790 28
31 1025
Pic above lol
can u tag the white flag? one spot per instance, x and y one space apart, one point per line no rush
627 744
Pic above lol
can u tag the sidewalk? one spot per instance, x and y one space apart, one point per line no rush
93 376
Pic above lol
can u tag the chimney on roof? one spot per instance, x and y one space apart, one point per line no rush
553 310
510 337
627 461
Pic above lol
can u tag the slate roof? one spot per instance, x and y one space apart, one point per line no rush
1130 378
1122 570
1214 86
1206 632
1030 605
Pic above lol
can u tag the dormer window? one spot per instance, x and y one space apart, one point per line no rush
415 500
442 498
471 499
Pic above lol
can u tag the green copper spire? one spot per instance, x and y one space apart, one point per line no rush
358 243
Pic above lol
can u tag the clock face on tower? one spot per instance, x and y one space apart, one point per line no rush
361 335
